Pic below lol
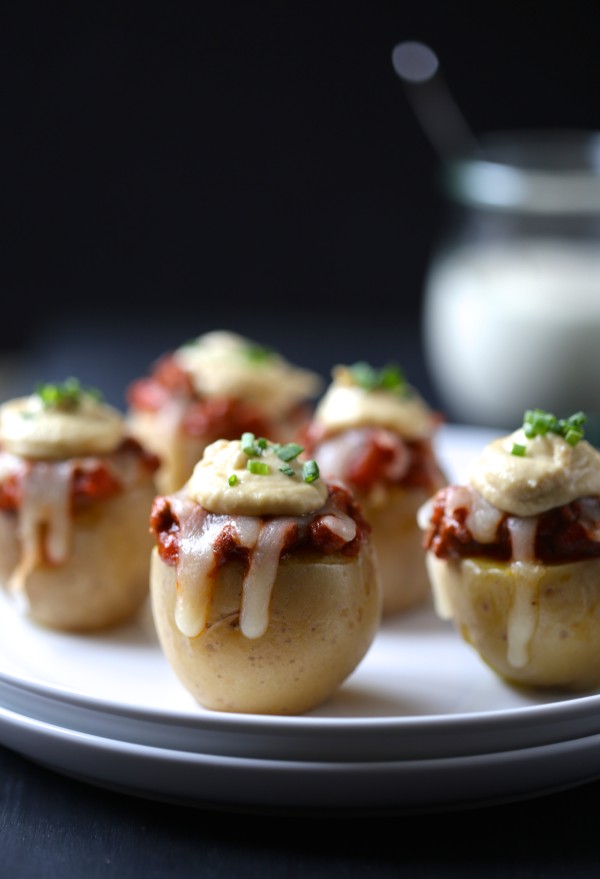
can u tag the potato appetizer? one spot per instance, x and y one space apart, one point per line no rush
216 387
75 496
264 588
514 555
374 432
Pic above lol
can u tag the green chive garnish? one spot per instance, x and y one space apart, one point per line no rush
538 422
249 446
258 467
289 451
389 378
233 479
252 446
288 471
310 471
67 395
518 450
259 353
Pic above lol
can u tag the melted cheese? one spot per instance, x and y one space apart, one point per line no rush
260 579
342 526
44 518
522 537
194 567
336 454
442 601
483 518
200 531
524 613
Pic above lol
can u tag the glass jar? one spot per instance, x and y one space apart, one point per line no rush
511 311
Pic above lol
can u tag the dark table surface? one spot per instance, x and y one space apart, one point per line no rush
55 826
52 826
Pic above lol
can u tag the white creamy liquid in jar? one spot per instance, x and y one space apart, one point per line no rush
509 327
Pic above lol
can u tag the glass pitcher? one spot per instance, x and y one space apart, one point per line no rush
511 310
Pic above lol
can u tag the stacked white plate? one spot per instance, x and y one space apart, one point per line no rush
422 723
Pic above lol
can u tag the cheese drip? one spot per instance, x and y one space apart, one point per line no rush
200 532
523 615
483 519
44 518
260 579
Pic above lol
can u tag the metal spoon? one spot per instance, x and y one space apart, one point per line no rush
418 67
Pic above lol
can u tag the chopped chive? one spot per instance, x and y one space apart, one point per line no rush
310 471
518 450
537 422
258 467
233 479
389 378
67 395
249 446
289 471
259 353
573 436
262 443
289 451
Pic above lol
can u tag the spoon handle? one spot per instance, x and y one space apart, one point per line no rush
433 104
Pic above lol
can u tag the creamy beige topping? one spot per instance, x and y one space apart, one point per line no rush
32 429
223 364
345 405
550 473
252 494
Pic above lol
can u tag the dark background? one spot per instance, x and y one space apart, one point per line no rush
167 169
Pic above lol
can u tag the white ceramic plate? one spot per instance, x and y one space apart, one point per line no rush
251 784
420 693
420 697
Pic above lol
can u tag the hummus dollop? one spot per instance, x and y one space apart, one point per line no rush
346 405
551 472
31 428
224 364
223 484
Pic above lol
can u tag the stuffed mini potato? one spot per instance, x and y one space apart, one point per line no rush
75 495
216 387
514 555
264 589
374 432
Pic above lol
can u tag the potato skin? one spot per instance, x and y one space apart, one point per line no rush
563 647
324 615
398 543
178 451
105 579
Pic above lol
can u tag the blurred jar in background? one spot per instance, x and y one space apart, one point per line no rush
511 312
